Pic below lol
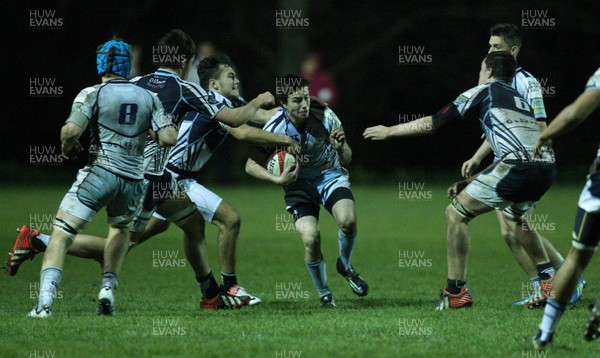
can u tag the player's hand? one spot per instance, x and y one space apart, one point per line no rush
456 188
337 138
539 143
265 100
293 147
71 151
319 101
469 167
377 133
289 175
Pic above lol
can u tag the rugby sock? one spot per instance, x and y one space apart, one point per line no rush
534 283
552 314
318 273
545 271
346 247
40 242
454 286
208 286
49 279
109 279
229 280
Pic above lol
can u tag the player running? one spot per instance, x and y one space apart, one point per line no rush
586 233
317 179
512 185
199 137
178 97
507 37
120 116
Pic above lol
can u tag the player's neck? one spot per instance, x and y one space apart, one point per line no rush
111 77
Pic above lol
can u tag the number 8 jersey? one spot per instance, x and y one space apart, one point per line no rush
120 114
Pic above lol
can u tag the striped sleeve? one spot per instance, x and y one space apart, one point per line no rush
531 89
594 81
160 120
200 100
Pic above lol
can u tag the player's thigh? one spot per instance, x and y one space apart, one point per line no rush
93 189
206 202
344 213
466 207
122 208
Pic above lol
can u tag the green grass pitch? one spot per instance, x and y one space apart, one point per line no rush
400 251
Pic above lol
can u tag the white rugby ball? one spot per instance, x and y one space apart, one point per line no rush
279 162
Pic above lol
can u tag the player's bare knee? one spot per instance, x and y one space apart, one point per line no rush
348 225
312 244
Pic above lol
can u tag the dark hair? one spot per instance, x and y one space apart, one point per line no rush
287 85
502 64
210 68
509 32
180 46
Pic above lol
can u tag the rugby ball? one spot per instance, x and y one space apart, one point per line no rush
280 161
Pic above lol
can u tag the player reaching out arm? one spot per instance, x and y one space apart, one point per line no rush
511 129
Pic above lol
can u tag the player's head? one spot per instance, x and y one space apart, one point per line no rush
217 73
505 37
499 65
292 93
176 51
113 58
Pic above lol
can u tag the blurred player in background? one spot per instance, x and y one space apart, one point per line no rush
120 116
512 185
586 233
507 37
178 98
318 178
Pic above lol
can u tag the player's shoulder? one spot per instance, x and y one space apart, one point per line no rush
276 121
472 92
594 81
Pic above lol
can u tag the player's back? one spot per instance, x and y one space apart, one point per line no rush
509 122
120 116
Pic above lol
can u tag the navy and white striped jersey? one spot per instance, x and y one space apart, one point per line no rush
505 117
317 154
178 97
530 89
120 115
199 137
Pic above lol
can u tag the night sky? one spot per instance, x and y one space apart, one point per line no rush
50 57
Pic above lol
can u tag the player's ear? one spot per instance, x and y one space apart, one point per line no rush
212 84
514 51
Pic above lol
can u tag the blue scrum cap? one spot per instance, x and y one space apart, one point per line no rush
121 60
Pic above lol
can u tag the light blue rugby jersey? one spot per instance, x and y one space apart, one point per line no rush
317 155
120 115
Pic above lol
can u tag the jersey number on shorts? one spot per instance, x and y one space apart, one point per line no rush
127 113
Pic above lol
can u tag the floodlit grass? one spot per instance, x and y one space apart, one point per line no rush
400 251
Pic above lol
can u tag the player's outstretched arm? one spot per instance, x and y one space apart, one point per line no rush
235 117
257 136
421 126
570 117
256 170
263 115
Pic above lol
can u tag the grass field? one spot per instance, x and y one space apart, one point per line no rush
401 253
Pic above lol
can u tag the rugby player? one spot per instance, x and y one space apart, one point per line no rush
318 179
120 116
512 185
